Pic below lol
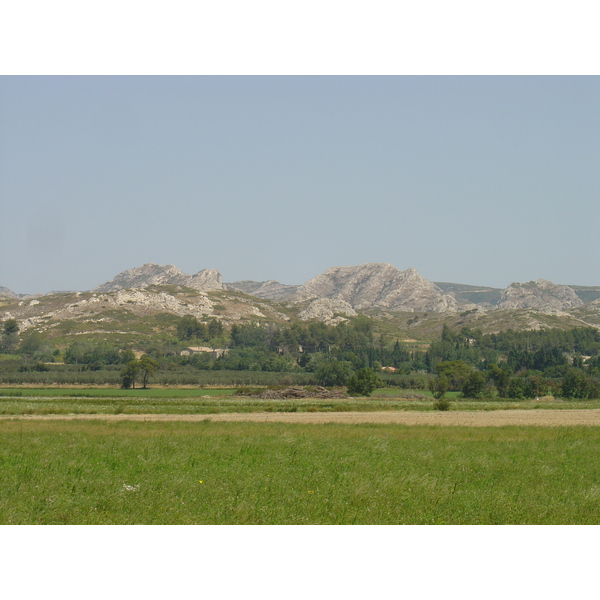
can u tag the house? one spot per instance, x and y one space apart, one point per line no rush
214 352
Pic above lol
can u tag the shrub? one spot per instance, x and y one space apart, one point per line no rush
247 391
438 387
363 382
441 404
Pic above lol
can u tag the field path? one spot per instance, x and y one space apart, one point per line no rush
497 418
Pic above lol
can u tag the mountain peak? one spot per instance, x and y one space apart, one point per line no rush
6 293
540 294
377 285
152 274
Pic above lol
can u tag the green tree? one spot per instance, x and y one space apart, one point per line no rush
215 328
448 335
129 374
500 377
455 371
148 367
31 344
438 387
534 386
333 372
8 343
577 361
516 388
575 384
363 382
10 336
10 326
126 355
474 385
190 328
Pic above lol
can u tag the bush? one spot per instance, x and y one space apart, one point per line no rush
441 404
438 387
363 382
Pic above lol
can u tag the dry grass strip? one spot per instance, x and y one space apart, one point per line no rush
498 418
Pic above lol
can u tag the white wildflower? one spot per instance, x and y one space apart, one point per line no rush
131 488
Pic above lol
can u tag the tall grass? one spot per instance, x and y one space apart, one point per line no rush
256 473
208 401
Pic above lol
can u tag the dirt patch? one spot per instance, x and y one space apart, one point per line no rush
500 418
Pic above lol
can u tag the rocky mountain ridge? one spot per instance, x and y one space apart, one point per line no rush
345 290
115 311
6 293
402 302
153 274
540 294
377 285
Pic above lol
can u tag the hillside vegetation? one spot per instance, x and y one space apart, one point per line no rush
388 326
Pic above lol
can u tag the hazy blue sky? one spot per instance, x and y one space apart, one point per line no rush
478 180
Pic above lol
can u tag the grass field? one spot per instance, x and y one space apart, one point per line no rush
63 405
107 392
43 401
242 473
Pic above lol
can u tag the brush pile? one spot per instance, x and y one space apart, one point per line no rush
300 392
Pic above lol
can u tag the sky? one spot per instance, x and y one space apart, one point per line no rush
482 180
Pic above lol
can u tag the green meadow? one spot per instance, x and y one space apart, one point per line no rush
63 472
108 392
43 401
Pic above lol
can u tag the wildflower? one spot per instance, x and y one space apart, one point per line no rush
131 488
200 481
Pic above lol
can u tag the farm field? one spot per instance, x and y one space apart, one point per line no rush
103 472
112 392
111 401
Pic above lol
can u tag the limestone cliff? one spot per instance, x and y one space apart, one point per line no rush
330 311
378 285
541 295
6 293
153 274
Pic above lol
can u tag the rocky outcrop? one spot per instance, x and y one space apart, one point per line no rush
130 308
378 285
269 290
152 274
6 293
155 302
329 310
541 295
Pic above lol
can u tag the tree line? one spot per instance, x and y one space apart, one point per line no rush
516 364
